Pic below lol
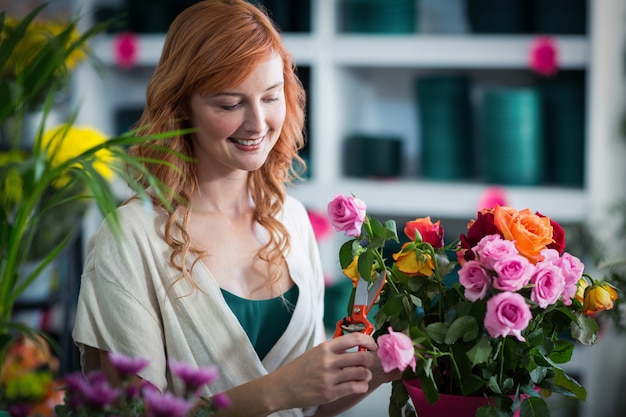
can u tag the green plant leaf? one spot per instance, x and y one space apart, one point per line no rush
464 327
480 353
437 331
586 332
534 407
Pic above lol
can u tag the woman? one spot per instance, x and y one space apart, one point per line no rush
230 274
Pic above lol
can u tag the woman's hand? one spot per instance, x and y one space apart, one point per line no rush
328 371
333 374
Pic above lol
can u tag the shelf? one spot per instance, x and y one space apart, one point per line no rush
442 199
428 51
467 51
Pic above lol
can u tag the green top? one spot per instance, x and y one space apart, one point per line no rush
264 321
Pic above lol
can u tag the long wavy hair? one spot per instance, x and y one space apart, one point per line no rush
212 46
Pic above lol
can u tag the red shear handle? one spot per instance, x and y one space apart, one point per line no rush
356 322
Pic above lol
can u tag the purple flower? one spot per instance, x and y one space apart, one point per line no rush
19 410
475 279
221 401
126 366
97 392
193 378
165 405
548 284
513 272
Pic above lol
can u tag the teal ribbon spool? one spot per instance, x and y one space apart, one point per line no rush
563 98
446 128
379 16
512 137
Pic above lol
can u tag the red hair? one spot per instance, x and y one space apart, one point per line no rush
212 46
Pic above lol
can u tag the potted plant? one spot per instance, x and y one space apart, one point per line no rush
492 315
65 168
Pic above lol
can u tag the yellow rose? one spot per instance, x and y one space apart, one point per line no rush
600 296
352 271
530 232
407 262
580 291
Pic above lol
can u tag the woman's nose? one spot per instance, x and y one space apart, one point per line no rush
255 119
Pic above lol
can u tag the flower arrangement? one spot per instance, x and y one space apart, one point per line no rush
27 380
493 314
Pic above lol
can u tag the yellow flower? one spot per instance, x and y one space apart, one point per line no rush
580 291
600 296
34 40
12 186
411 264
66 142
352 271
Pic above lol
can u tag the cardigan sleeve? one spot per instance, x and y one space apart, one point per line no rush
117 306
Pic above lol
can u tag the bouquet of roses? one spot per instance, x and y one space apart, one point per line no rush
493 314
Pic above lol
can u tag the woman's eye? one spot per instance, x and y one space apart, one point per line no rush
229 107
272 99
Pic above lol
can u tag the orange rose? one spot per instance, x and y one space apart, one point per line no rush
530 232
600 296
410 263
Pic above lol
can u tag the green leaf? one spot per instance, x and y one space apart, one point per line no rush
480 353
586 332
569 384
429 389
345 254
534 407
437 331
562 352
471 384
464 328
366 260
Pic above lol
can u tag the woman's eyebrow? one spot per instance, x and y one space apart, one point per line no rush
235 94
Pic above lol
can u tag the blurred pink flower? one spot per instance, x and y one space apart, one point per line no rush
544 56
126 50
491 197
320 223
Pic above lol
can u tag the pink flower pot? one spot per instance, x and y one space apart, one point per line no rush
448 405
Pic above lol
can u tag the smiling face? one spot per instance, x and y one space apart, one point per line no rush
238 128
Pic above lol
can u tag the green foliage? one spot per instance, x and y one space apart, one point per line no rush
23 220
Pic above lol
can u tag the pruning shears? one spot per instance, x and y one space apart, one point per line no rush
364 298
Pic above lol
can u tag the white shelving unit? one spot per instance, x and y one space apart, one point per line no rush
365 84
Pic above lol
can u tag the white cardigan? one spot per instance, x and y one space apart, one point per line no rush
123 305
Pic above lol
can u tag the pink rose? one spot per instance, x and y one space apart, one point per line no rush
492 248
548 284
396 351
475 279
347 214
512 273
507 314
572 269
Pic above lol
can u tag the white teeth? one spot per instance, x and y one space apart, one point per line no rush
247 142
